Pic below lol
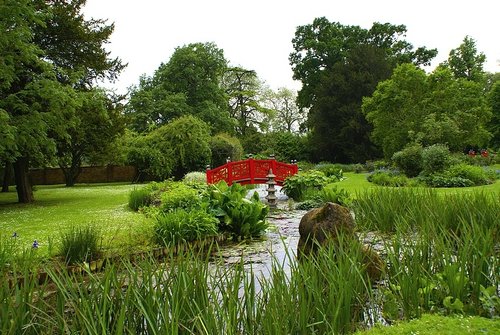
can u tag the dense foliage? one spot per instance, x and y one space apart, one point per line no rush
186 211
338 65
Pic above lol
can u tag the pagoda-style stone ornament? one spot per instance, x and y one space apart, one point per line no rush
271 190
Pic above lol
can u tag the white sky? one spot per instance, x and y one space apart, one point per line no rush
257 34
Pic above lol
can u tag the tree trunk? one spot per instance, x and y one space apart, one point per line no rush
73 171
70 175
6 177
23 185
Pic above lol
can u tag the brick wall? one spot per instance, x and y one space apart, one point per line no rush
88 174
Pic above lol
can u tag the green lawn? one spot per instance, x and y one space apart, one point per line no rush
58 208
356 182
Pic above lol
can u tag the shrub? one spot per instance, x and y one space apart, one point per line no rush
476 174
435 158
440 180
388 178
139 197
195 177
224 146
371 166
181 226
80 244
330 193
179 195
239 216
298 185
330 170
409 160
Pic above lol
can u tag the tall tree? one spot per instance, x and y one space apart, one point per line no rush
74 46
98 122
466 62
494 125
40 78
190 83
35 105
325 55
429 109
286 115
243 89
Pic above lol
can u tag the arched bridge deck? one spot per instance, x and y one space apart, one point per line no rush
251 171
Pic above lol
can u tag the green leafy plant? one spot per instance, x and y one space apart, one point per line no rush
241 217
435 158
409 160
476 174
80 244
442 180
298 185
330 170
195 177
180 226
139 197
388 178
179 195
331 193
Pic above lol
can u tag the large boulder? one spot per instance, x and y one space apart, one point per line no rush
326 226
323 225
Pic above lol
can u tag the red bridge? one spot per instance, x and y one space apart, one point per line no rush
251 171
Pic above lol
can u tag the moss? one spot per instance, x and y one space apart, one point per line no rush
436 324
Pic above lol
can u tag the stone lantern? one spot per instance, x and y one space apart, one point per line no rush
271 190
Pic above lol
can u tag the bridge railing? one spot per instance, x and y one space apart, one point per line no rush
251 171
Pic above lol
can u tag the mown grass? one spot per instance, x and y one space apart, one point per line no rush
57 209
436 324
357 182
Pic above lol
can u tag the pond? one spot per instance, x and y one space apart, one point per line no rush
278 244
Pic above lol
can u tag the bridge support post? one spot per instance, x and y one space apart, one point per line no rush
271 190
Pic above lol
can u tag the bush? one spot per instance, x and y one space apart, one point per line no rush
330 193
436 158
224 146
181 226
195 177
80 244
330 170
440 180
409 160
388 178
297 185
139 197
476 174
179 195
371 166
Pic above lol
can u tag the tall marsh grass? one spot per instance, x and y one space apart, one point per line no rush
442 255
189 295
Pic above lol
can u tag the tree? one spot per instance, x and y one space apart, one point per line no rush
189 84
186 140
465 62
46 61
35 105
96 125
286 115
74 45
428 109
337 66
494 125
224 146
339 130
244 89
